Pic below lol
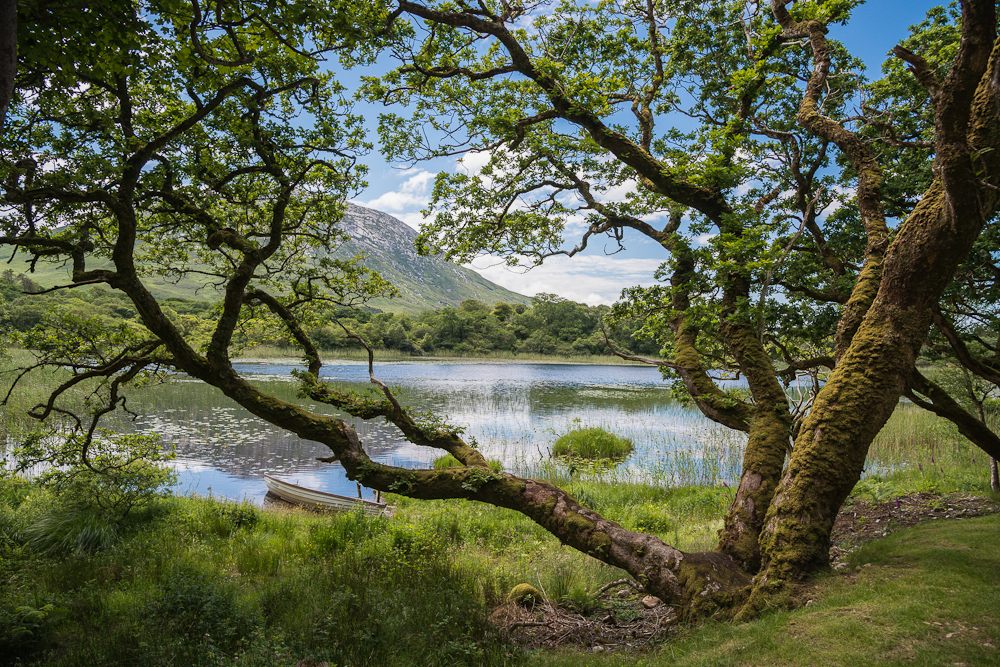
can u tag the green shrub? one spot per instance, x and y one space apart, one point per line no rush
110 473
221 517
343 531
593 443
24 630
195 605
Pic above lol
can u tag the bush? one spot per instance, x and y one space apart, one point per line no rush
593 443
121 473
221 517
24 630
70 528
196 605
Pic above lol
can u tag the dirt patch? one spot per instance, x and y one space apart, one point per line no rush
621 618
861 521
625 618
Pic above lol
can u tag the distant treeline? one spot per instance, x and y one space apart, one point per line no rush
550 326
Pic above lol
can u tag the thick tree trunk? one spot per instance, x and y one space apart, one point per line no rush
866 385
770 431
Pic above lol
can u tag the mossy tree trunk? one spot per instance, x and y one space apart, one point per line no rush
864 389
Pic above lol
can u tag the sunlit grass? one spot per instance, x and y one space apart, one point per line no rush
592 442
927 598
196 581
919 451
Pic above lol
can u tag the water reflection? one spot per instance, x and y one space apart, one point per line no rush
514 412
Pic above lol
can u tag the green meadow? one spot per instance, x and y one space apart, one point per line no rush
186 580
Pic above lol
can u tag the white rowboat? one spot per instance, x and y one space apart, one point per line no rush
300 495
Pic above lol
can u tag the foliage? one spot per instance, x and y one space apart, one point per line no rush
109 475
553 326
179 591
592 442
196 605
24 630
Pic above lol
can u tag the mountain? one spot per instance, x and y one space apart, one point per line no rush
423 282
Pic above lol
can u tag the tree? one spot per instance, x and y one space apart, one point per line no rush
178 145
8 54
165 135
572 108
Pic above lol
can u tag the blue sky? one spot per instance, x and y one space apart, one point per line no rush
594 277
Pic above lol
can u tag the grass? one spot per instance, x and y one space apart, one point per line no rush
917 451
196 581
593 443
928 596
199 582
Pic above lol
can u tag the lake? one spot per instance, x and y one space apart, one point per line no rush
515 411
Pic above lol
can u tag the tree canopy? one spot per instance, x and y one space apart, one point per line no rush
836 210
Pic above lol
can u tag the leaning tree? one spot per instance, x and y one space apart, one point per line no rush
746 123
206 139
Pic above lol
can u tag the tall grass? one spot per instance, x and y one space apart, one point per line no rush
14 419
202 582
917 450
593 442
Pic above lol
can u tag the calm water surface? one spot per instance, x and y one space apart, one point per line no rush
515 411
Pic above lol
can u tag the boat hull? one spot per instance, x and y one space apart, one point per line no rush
300 495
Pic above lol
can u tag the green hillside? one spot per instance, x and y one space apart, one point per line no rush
424 283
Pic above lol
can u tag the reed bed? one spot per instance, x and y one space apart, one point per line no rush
917 450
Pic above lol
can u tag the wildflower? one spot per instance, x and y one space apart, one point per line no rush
921 467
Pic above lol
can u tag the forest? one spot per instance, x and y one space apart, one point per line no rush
551 326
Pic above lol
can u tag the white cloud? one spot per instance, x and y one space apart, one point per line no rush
618 192
589 279
418 183
414 192
473 163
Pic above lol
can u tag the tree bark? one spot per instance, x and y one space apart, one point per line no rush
867 383
769 437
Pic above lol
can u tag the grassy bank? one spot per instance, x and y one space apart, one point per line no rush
926 596
195 581
192 581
